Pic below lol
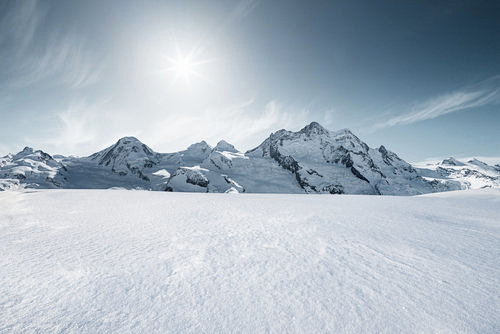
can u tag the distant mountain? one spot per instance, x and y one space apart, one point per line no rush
32 169
471 174
312 160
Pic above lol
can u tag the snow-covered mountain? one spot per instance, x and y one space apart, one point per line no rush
226 169
339 162
312 160
127 156
31 169
470 173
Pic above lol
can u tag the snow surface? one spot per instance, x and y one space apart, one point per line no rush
101 261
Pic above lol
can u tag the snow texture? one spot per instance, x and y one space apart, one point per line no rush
103 261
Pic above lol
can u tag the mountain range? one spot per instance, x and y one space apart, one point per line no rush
312 160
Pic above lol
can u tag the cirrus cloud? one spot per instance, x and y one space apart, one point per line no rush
485 93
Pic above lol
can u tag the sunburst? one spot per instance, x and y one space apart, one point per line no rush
184 66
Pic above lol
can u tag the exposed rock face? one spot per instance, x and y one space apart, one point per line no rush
199 179
127 156
188 177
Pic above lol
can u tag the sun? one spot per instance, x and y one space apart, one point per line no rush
184 67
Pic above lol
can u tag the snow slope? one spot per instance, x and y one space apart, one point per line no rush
102 261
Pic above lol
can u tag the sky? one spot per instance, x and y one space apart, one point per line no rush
421 78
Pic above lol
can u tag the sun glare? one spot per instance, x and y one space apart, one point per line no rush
184 67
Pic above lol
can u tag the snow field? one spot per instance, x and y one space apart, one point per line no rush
98 261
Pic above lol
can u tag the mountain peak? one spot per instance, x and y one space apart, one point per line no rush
197 151
477 162
202 145
128 140
225 146
127 154
37 155
314 127
452 161
26 151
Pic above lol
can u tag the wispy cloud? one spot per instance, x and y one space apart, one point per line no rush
63 58
244 8
484 93
81 128
19 22
31 51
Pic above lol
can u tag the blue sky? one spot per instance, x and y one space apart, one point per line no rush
420 77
